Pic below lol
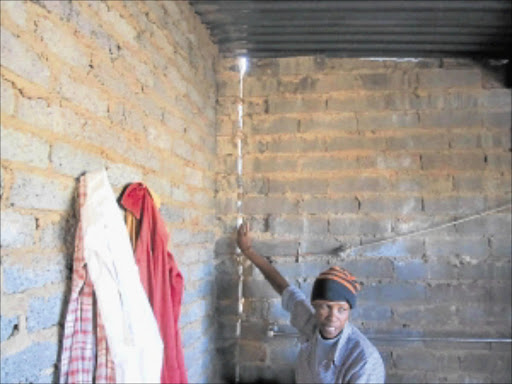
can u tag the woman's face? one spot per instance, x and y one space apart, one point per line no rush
331 317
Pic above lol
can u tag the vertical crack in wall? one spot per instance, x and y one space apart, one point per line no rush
242 66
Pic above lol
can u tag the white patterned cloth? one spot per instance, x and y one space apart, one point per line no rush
353 359
85 356
130 325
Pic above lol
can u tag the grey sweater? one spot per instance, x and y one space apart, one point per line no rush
353 359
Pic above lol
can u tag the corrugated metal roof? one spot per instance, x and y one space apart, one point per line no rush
407 28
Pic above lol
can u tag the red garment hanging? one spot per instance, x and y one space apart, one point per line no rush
160 277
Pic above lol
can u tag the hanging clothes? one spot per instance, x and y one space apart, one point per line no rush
160 277
133 224
85 356
130 326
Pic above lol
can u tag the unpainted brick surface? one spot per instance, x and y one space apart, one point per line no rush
18 230
7 326
17 278
23 367
39 192
375 149
8 98
44 312
336 152
24 148
92 85
328 123
18 57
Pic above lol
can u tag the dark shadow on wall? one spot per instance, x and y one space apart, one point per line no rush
66 235
497 73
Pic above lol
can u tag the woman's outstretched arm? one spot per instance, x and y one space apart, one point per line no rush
270 273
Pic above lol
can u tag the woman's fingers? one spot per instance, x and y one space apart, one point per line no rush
244 228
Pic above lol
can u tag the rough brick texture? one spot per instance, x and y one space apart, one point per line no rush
349 152
129 86
335 152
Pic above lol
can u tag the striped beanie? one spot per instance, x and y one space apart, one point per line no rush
336 284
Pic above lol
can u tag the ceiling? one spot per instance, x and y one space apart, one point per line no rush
360 28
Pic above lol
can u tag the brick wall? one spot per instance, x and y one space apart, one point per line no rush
125 85
336 151
347 151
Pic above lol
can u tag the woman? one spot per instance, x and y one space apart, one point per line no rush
333 350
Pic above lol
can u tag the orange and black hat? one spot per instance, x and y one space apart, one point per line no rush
336 284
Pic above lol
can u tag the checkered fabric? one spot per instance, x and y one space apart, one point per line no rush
85 355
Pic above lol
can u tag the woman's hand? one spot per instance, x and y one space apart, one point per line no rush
273 276
243 239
